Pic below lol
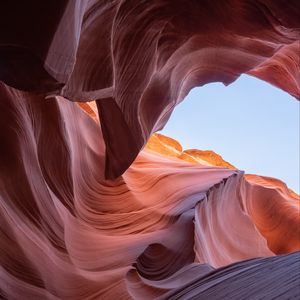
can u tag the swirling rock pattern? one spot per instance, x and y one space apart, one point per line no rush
173 223
139 59
68 233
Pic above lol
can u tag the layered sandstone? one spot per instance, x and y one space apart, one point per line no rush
165 225
139 59
86 213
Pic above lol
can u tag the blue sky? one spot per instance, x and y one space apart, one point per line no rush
252 124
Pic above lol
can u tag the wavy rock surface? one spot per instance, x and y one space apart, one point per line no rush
67 233
177 224
139 59
214 285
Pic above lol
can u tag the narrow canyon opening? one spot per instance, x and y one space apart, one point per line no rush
250 123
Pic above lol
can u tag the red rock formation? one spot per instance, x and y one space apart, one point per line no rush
139 59
168 146
177 224
203 282
67 233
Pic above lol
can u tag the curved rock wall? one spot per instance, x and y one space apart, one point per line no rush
139 59
85 214
67 233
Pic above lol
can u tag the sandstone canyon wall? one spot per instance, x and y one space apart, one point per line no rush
85 214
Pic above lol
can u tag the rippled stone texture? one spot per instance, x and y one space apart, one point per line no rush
172 223
139 59
68 233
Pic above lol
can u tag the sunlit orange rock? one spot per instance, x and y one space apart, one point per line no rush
172 148
272 207
90 108
67 232
84 213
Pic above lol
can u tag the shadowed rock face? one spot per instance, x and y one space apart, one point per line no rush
177 224
213 284
139 59
67 233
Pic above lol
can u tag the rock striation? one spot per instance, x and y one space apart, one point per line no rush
162 228
139 59
88 208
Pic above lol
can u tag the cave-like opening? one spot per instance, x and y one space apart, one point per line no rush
252 124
